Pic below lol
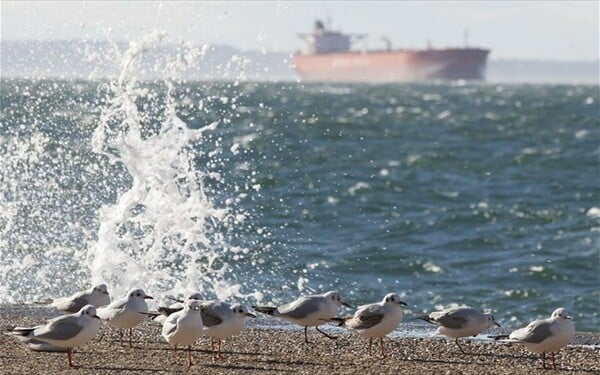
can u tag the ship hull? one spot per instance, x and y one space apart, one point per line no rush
393 66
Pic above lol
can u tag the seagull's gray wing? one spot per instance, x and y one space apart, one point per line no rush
167 311
453 319
118 306
62 329
210 317
366 317
534 333
73 303
112 310
76 303
300 308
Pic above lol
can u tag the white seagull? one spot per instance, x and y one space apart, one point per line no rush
184 327
67 331
456 322
127 312
97 296
376 319
309 311
222 321
546 335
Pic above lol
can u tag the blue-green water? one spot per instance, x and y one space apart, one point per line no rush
478 194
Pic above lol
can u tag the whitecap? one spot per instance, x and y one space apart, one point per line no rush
593 212
358 186
332 200
432 267
444 114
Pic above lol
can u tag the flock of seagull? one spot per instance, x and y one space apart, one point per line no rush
185 321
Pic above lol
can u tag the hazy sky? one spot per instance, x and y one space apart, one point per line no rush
511 29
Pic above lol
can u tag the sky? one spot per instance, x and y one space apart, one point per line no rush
541 30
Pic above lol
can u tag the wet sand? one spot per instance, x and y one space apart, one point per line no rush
276 351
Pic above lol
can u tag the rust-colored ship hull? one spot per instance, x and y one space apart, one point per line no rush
393 66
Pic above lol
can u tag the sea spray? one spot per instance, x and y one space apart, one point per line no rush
161 233
105 182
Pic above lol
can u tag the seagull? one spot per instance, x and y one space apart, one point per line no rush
376 319
459 322
309 311
97 296
127 312
66 331
184 327
220 320
546 335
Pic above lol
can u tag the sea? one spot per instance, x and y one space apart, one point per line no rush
447 193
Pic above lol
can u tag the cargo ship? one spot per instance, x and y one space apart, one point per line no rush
328 57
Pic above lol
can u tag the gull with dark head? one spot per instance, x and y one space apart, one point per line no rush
308 311
456 322
376 319
67 331
546 335
127 312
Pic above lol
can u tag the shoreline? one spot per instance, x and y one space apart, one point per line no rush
272 348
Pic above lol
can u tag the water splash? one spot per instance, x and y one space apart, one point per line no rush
105 182
162 233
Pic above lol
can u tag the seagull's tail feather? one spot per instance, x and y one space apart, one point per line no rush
269 310
166 311
499 337
425 318
339 320
19 331
44 302
151 314
175 299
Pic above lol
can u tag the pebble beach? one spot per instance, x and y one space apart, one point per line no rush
272 350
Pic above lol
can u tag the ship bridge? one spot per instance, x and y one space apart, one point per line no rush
322 41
